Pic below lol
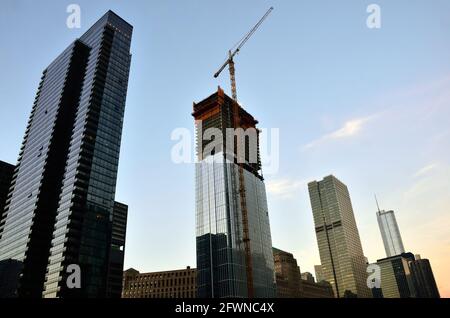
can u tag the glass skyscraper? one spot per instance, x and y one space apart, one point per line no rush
117 251
6 173
59 211
222 266
390 233
341 254
423 278
396 277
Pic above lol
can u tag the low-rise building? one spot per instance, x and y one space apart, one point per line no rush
311 289
168 284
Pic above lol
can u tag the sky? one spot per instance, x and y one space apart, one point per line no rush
370 106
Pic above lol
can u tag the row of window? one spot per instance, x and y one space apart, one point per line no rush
153 294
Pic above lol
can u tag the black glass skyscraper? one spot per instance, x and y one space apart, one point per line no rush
423 278
60 208
6 173
117 252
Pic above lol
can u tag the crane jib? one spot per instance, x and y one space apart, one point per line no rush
241 44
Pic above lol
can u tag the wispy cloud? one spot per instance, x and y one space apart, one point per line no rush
430 182
284 188
350 128
424 101
425 170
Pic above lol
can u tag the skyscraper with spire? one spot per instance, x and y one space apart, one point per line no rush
390 232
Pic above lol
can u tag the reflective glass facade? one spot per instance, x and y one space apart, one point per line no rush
59 211
6 174
341 254
423 279
220 249
117 252
390 233
396 278
82 231
31 205
221 254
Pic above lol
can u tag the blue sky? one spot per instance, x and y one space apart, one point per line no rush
371 106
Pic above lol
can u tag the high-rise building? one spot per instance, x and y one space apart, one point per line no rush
287 274
319 273
396 279
168 284
9 269
9 273
60 208
341 254
423 278
117 252
6 174
390 233
234 245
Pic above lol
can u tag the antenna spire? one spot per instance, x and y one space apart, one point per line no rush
376 200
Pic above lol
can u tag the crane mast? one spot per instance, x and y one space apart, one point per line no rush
232 78
239 155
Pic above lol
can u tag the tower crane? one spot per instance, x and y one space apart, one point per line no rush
240 160
232 53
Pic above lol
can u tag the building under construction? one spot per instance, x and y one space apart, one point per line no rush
234 244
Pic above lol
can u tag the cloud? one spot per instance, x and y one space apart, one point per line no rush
429 185
284 188
428 100
425 170
350 128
